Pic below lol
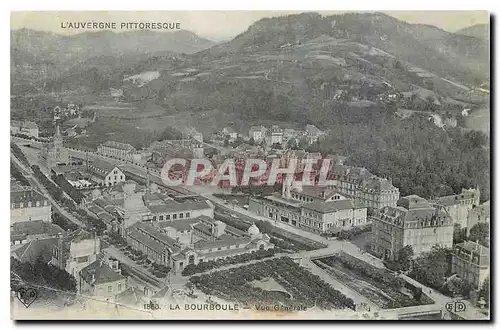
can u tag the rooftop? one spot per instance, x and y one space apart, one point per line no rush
31 251
99 272
35 228
329 207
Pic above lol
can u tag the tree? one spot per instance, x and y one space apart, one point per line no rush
405 256
480 233
292 144
459 233
431 268
484 292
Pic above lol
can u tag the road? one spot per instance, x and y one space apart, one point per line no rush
28 173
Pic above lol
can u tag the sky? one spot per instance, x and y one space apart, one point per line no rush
220 25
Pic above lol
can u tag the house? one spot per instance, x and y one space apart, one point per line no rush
471 261
24 232
478 214
75 251
313 133
102 278
28 128
274 135
106 174
229 132
257 133
362 186
459 205
27 204
413 221
116 150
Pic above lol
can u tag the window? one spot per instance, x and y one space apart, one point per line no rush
174 216
167 217
110 288
188 214
161 217
119 287
181 215
154 218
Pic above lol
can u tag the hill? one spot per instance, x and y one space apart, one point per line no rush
481 31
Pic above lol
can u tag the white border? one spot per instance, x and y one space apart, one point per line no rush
310 5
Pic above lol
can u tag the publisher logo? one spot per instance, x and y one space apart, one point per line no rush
456 306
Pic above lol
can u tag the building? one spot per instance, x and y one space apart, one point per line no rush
257 133
35 250
133 203
459 205
315 209
415 222
313 134
178 243
471 262
230 133
54 153
116 150
363 187
274 135
105 174
478 214
75 251
25 232
28 128
102 278
27 204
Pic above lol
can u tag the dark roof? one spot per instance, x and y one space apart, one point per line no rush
35 228
132 296
148 230
102 273
26 195
146 240
36 248
173 206
223 240
456 199
328 207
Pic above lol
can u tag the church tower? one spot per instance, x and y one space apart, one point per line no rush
58 141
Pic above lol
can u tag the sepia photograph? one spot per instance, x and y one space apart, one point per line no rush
250 165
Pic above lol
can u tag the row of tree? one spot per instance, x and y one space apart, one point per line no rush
238 259
74 193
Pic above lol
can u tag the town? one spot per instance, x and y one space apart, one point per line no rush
108 219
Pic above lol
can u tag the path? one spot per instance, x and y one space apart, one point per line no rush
28 173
